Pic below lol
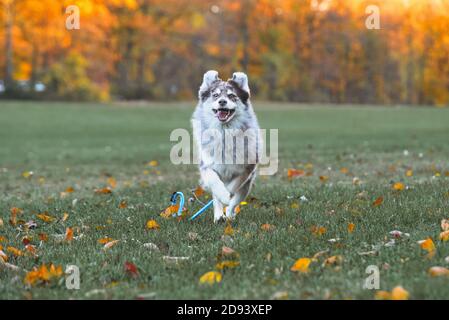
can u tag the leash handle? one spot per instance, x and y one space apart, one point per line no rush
181 202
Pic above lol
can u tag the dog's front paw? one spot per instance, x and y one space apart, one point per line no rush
218 219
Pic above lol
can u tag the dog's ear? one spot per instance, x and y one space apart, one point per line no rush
209 78
240 82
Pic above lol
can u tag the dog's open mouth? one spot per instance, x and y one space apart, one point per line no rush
224 114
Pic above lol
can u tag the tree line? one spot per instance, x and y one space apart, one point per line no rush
293 50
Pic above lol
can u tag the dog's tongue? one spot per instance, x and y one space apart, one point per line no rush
223 114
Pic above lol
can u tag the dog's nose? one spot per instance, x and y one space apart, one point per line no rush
222 102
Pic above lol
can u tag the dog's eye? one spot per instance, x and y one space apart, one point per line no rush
232 96
215 95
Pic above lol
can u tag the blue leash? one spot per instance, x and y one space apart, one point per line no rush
181 205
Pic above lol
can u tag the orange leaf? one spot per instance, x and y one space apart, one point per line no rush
301 265
291 173
267 227
43 237
103 190
444 236
198 191
69 234
399 293
123 205
427 245
69 190
351 227
398 186
378 201
324 178
104 240
110 244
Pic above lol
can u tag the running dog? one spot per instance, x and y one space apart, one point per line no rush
228 140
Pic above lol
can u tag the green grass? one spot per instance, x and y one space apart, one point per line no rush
82 145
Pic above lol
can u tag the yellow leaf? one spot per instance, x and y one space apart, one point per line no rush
351 227
409 173
318 230
295 205
153 163
227 264
438 271
152 224
65 216
427 245
112 182
229 230
211 277
399 293
45 217
14 251
398 186
444 236
301 265
27 174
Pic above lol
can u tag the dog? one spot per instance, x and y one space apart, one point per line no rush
224 116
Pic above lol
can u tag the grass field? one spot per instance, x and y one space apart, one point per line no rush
81 146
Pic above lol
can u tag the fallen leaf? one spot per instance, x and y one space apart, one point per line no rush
211 277
398 186
153 163
444 236
291 173
69 190
65 216
106 190
324 178
280 295
14 212
104 240
351 227
27 174
267 227
427 245
399 293
344 170
152 225
110 244
382 295
438 271
131 269
123 204
43 237
301 265
69 234
170 211
198 191
3 256
45 217
333 260
229 231
16 252
112 182
378 201
318 230
227 264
